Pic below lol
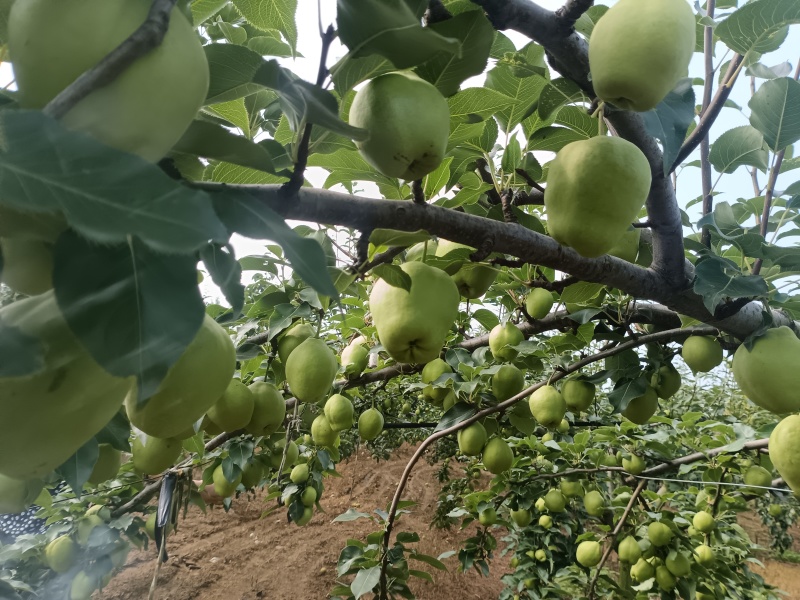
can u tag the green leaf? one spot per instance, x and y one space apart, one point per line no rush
759 26
776 112
245 215
477 104
586 22
429 560
523 90
226 273
447 70
392 29
625 391
106 195
556 94
210 140
437 179
202 10
20 354
670 120
511 155
486 318
554 138
77 468
117 433
460 411
717 279
275 14
234 112
271 45
406 537
762 71
348 72
394 276
135 311
394 237
346 166
365 581
350 515
740 146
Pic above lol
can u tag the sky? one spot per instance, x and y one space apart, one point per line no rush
730 187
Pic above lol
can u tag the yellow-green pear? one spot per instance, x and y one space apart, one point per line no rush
269 408
547 406
769 374
538 303
82 586
156 456
252 473
472 439
784 450
591 213
408 122
507 382
222 485
578 394
370 424
430 373
666 381
472 279
339 412
639 50
659 534
640 409
234 409
522 517
627 247
629 550
554 501
192 385
17 494
413 325
292 338
594 503
355 357
633 464
502 338
310 370
61 553
107 465
418 251
589 553
701 353
497 456
322 433
27 265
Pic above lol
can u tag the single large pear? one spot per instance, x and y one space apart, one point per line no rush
310 370
769 374
472 279
292 338
408 121
18 494
413 325
147 108
639 50
430 373
192 385
269 408
45 417
784 451
502 338
234 408
595 189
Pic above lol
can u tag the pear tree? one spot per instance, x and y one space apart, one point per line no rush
550 247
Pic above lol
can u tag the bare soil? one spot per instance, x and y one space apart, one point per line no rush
243 555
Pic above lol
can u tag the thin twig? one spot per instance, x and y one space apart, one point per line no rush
572 11
379 259
506 201
486 176
705 165
418 191
711 113
614 533
147 36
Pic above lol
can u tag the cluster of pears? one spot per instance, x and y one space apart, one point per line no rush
596 187
87 568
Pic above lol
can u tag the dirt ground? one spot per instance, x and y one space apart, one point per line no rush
242 556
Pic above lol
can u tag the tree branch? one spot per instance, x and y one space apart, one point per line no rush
705 166
147 36
334 208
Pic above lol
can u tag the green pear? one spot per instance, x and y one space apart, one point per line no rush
472 439
666 381
107 465
538 303
639 50
322 433
355 357
269 408
502 338
156 456
497 456
418 251
640 409
61 554
192 385
547 406
339 412
310 370
627 247
578 394
408 121
629 550
430 373
292 338
370 424
222 485
769 374
507 382
235 407
592 212
473 279
784 450
16 494
701 353
413 325
589 553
